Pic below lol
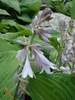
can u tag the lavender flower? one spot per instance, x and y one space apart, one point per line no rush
41 60
21 54
38 28
27 71
65 69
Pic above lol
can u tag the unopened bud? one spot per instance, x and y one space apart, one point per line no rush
45 12
16 76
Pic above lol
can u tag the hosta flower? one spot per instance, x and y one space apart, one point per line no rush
21 54
27 71
42 61
37 24
68 43
44 34
65 69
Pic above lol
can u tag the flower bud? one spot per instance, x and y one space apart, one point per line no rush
45 12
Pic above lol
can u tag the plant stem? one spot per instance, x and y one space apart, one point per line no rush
32 38
16 89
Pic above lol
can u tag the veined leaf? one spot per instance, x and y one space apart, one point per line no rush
24 17
2 26
4 46
11 4
54 33
52 87
73 10
54 42
4 12
32 4
8 67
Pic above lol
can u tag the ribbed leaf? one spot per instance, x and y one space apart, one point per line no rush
11 4
11 35
54 33
4 12
73 10
2 26
52 87
4 46
32 4
25 18
8 66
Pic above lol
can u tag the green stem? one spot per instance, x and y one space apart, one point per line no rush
32 38
16 89
72 68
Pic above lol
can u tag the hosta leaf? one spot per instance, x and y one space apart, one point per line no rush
11 4
73 10
8 66
53 55
24 18
32 4
10 35
2 26
52 87
4 12
54 33
54 42
4 46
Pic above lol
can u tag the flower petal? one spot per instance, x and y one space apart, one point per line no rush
47 47
22 54
27 69
44 60
46 69
45 38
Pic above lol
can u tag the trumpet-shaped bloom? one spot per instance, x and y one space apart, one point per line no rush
21 54
41 60
27 71
65 69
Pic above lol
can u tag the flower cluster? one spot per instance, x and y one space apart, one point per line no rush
40 61
67 49
37 54
32 55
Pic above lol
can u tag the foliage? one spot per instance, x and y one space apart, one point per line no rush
61 6
52 87
14 15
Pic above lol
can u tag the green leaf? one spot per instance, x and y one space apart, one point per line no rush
10 35
24 17
2 26
52 87
4 12
53 55
8 67
73 10
54 33
11 4
4 46
54 42
32 4
9 22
